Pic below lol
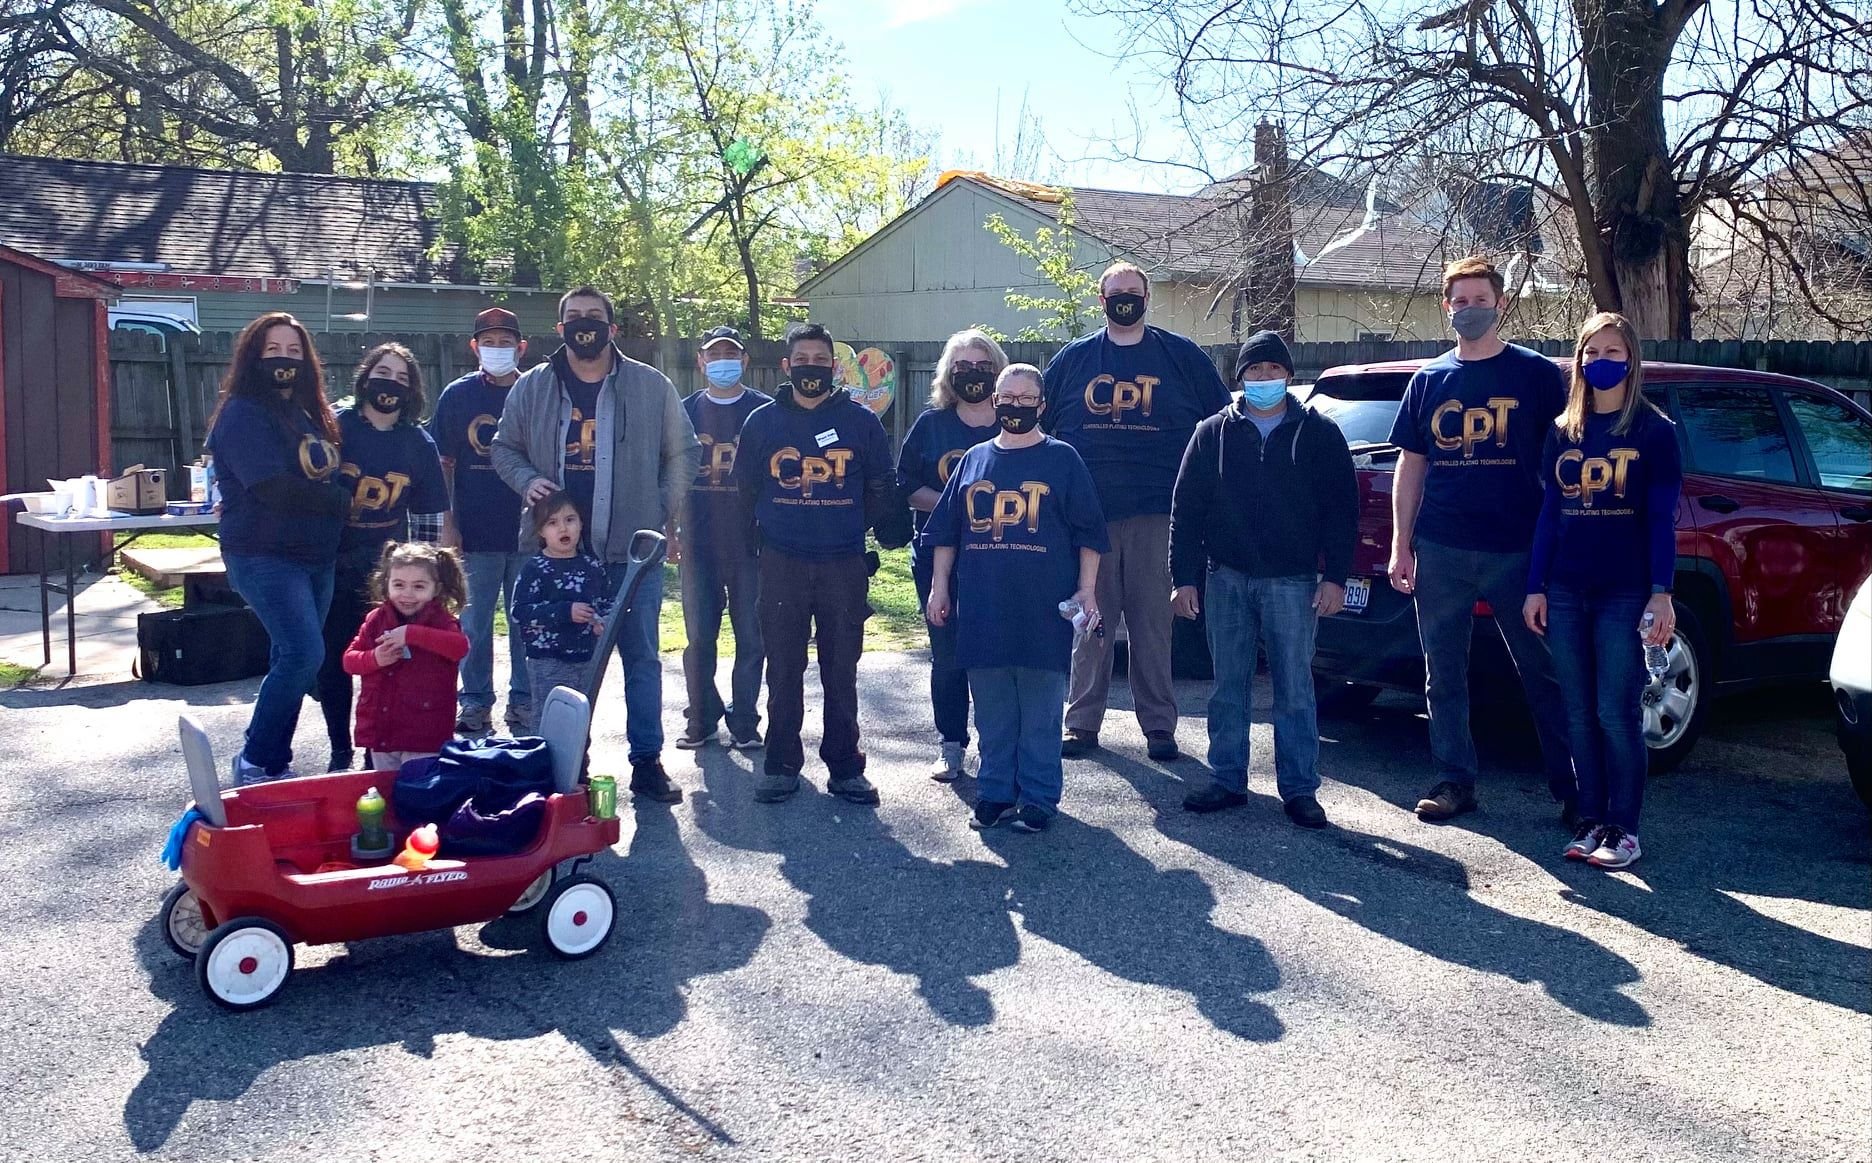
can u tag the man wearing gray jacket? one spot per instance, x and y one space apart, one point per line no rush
611 432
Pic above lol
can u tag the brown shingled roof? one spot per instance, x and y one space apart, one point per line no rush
224 222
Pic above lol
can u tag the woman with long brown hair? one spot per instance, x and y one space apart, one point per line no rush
392 469
275 446
1605 555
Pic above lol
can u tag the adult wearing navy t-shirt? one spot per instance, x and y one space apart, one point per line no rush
1463 504
611 432
1016 532
391 467
275 448
960 416
1127 398
719 569
483 511
814 473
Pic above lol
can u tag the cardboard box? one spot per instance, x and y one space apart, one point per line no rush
139 490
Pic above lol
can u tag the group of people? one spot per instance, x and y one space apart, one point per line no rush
1125 481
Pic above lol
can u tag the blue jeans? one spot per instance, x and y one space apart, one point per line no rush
948 683
708 588
643 670
1449 584
491 578
1017 714
1600 666
1242 612
290 599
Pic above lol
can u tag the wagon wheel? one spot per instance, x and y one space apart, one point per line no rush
578 916
183 925
535 892
243 963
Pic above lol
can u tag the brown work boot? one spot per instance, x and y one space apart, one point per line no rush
1446 801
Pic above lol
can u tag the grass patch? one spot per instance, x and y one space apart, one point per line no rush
169 598
169 540
896 625
12 674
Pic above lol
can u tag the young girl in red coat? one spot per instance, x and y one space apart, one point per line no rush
406 654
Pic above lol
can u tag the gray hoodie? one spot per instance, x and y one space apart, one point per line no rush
647 452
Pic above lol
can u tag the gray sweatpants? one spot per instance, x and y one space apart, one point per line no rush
1133 581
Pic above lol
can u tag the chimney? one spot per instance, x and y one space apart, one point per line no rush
1268 298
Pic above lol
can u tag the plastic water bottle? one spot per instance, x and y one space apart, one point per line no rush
1656 659
1072 611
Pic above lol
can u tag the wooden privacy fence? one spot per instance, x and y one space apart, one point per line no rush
162 392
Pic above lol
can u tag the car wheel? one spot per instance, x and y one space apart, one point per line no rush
183 925
1338 697
243 963
1675 706
1859 770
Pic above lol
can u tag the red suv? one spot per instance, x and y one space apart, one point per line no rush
1774 535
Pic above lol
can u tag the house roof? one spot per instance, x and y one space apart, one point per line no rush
225 222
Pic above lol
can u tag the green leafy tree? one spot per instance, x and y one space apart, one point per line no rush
1054 251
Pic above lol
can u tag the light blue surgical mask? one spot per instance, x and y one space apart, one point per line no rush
1264 394
723 373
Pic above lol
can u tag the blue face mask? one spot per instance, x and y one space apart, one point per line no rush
1264 394
723 373
1605 374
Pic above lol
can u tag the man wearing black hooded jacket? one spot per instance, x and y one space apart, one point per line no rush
1267 505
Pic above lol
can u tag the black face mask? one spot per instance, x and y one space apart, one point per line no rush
1124 308
384 394
973 386
1017 418
811 380
279 373
586 337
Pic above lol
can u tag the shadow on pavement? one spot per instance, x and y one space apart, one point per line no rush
1408 894
415 990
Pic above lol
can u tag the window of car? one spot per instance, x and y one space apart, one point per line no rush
1735 430
1839 439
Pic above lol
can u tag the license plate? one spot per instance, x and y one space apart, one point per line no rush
1357 594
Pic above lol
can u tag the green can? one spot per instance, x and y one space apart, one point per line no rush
603 797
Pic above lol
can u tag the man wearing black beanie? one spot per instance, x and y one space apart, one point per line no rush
1265 511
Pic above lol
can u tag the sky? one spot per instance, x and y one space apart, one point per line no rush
950 64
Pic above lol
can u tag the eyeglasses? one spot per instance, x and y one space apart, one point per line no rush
972 365
1019 401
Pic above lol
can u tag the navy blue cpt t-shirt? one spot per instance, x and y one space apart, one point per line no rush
487 511
1608 524
1481 424
713 525
1129 413
581 446
807 472
931 450
254 441
391 472
1018 519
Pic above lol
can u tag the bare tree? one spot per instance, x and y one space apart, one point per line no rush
1633 117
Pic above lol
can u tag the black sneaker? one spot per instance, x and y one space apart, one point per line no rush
1161 746
1306 812
650 782
1031 818
1078 743
988 813
1213 798
855 788
1446 801
774 786
342 759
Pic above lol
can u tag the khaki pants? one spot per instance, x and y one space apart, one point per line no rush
1133 581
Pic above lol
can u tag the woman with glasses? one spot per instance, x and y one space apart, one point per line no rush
960 416
1016 538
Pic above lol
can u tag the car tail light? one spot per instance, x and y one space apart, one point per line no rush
1484 610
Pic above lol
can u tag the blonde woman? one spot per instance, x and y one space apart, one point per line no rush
961 414
1605 551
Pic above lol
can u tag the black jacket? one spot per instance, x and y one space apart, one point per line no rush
1276 508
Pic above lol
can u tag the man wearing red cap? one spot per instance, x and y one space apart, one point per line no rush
482 514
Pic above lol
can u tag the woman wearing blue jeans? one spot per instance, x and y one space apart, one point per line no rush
275 446
1604 556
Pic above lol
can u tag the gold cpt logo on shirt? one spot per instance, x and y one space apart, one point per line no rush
1123 396
718 457
808 470
374 494
580 450
481 431
318 458
1596 474
1478 425
1009 507
946 465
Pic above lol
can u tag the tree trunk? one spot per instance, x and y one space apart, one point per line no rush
1637 207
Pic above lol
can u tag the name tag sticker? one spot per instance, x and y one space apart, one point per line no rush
828 437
